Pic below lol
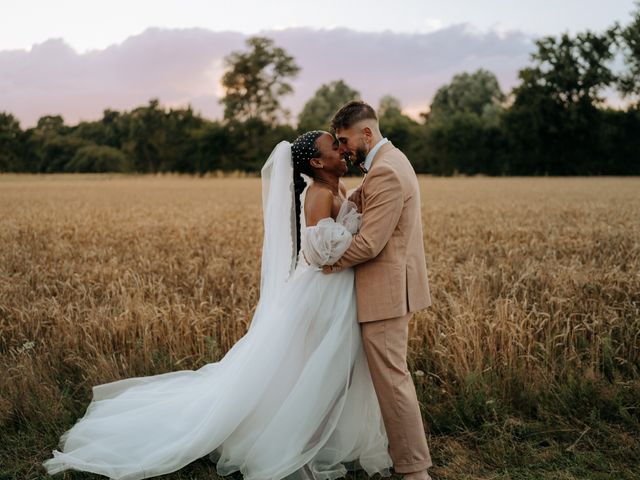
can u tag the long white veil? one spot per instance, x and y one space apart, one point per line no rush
279 253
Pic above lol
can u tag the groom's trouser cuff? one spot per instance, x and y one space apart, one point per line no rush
385 345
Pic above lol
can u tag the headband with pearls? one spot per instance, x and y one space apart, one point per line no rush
304 147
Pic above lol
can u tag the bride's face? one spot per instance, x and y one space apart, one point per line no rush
330 158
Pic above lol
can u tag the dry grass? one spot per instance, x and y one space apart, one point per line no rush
536 286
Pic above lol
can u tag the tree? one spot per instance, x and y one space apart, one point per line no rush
94 132
478 93
464 144
555 124
629 81
49 146
181 145
51 124
389 106
318 111
10 143
255 81
572 70
463 127
58 150
147 137
116 127
213 148
403 131
97 158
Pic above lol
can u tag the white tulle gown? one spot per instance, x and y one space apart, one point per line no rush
292 398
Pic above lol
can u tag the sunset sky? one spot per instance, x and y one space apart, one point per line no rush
78 57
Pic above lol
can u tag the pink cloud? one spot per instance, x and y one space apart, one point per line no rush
181 66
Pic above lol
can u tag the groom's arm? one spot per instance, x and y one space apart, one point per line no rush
384 202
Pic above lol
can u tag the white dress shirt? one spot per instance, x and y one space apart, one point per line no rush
372 153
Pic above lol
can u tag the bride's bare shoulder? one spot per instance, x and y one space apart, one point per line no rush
317 205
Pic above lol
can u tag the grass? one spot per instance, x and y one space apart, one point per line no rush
527 366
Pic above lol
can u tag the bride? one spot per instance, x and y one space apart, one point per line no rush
293 397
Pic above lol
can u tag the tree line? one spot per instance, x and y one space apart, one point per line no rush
554 122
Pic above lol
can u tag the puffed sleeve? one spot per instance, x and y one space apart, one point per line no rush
350 217
325 242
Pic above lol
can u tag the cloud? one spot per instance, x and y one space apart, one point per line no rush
181 66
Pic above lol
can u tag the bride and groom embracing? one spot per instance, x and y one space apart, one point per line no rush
319 383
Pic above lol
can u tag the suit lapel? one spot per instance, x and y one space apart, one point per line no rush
383 149
387 147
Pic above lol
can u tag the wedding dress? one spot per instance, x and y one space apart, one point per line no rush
291 399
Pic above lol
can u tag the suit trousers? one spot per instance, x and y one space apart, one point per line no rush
385 346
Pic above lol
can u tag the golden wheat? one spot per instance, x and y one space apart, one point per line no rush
106 277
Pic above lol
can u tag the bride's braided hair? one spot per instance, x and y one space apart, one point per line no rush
303 149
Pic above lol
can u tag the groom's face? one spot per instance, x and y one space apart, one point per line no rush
353 145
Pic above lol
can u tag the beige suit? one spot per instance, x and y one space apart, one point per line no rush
388 252
391 282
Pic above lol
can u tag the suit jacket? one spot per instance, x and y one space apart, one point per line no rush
388 251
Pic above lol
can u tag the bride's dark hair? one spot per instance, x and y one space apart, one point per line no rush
303 149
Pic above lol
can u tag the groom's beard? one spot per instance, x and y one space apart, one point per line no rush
361 156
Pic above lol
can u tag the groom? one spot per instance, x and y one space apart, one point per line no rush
391 277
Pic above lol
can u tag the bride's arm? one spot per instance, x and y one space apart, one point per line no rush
324 240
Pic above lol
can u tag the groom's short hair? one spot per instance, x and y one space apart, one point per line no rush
352 113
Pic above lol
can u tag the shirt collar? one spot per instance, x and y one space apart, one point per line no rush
372 153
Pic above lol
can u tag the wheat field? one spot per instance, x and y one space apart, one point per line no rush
535 320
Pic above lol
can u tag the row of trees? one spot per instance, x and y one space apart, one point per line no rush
554 122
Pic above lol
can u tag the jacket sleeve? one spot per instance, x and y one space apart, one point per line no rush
383 205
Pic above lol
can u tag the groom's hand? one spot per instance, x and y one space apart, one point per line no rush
332 268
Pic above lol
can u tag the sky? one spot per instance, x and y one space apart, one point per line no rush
78 57
86 24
